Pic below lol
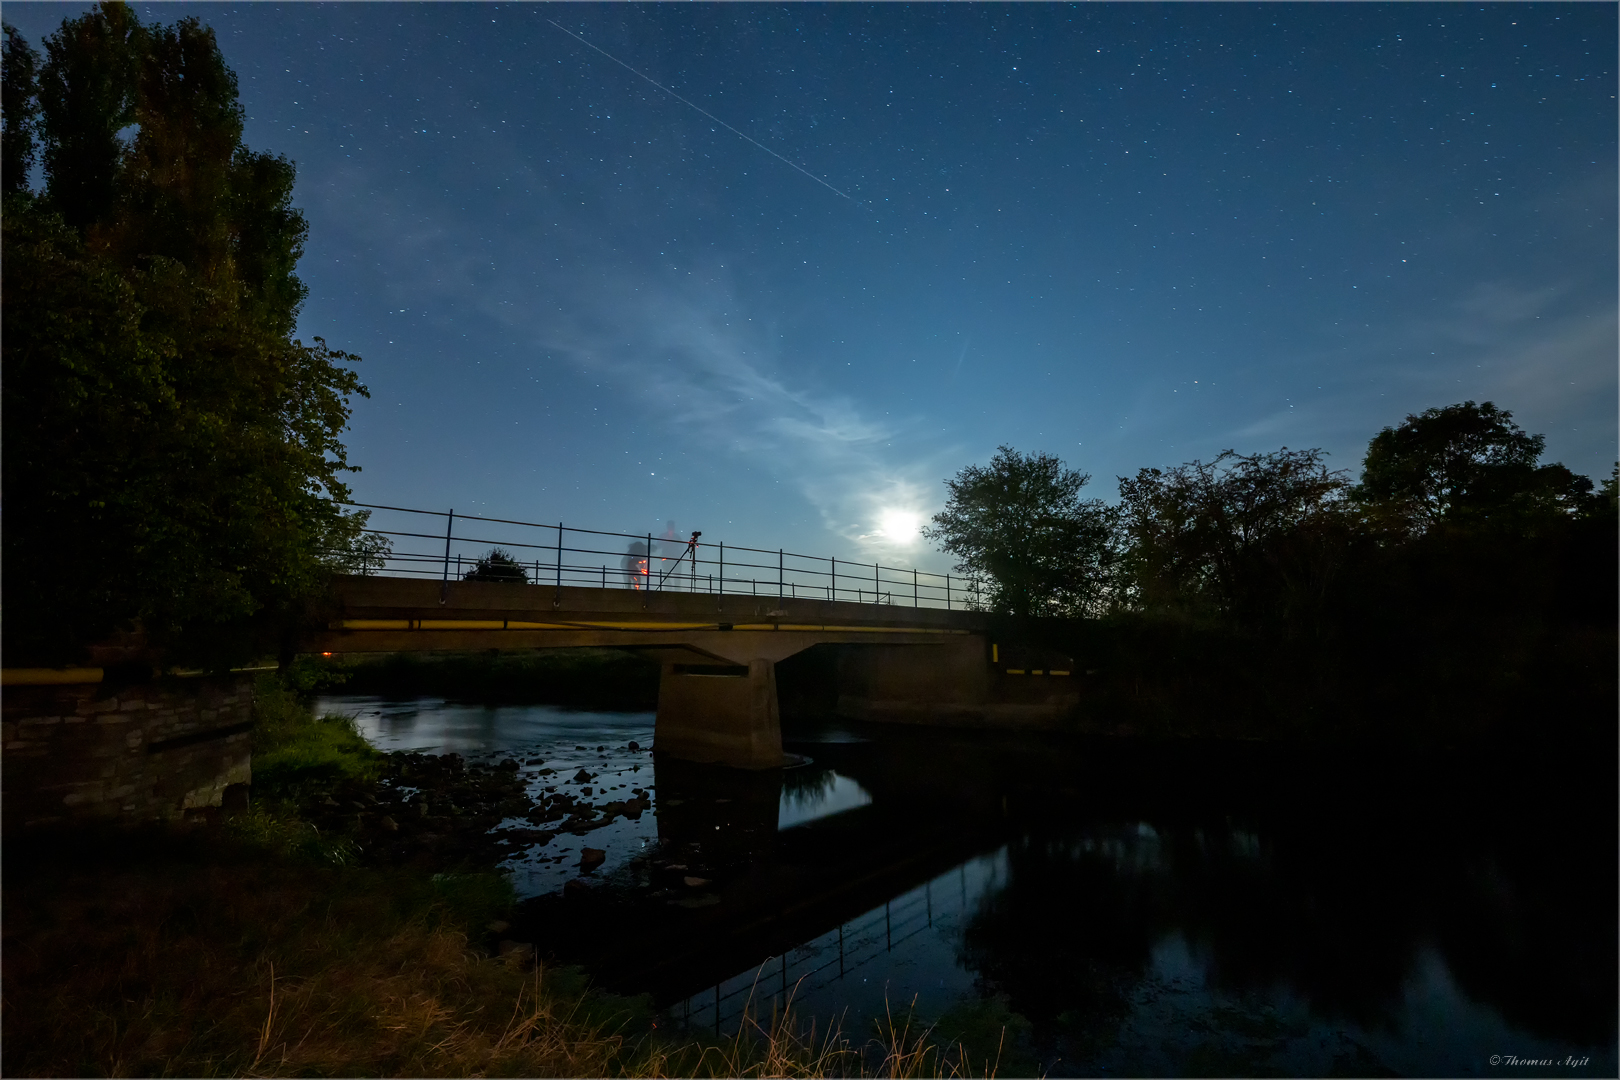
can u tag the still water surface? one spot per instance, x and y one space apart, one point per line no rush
1111 918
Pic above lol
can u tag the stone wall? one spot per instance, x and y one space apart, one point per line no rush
144 752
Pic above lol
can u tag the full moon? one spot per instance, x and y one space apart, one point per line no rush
900 526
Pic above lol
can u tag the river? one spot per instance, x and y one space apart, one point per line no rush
1116 908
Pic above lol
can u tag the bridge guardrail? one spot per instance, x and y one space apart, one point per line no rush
564 555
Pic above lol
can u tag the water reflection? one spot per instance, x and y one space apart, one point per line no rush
898 953
809 794
552 746
731 813
437 726
1153 916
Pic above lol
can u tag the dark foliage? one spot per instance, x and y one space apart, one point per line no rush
1239 537
497 565
19 107
1466 464
582 678
171 454
1020 525
1464 590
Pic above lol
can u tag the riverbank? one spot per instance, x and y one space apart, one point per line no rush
349 923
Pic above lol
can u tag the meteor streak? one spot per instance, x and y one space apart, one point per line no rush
710 115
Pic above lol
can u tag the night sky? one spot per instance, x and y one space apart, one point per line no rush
1128 235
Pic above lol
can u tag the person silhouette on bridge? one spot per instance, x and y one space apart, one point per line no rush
637 566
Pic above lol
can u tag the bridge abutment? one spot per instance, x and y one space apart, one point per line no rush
954 684
724 714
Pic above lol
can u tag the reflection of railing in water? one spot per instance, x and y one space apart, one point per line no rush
856 943
556 555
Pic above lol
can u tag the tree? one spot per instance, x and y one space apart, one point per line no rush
1020 525
1238 535
172 453
1466 465
19 107
497 564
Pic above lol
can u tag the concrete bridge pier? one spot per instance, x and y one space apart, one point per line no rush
717 712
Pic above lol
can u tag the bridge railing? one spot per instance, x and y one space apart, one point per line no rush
447 546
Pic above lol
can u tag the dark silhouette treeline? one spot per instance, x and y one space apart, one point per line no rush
575 678
1460 589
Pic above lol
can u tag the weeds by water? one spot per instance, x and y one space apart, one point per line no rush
295 751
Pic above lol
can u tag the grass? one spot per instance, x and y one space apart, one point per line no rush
261 946
295 752
235 964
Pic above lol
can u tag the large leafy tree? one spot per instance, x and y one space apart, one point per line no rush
1252 536
172 456
1020 526
1466 465
19 112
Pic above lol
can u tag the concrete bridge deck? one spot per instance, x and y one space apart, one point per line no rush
718 653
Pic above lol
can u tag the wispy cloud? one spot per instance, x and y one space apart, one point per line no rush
684 347
695 358
1541 351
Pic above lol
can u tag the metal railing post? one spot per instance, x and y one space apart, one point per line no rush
444 586
914 602
779 573
947 592
649 563
722 568
559 560
835 577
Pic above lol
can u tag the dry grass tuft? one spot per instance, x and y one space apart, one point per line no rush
275 969
783 1046
260 967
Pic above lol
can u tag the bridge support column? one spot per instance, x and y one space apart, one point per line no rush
725 714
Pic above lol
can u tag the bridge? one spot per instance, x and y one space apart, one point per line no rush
718 619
